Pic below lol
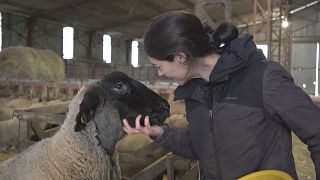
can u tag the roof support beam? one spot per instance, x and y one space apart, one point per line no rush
187 3
203 15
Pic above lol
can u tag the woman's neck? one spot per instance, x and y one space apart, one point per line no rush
204 67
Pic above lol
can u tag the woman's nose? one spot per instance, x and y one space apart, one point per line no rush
160 73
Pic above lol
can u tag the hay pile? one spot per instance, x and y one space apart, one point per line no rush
29 63
4 155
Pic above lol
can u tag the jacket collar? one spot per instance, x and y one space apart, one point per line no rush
234 58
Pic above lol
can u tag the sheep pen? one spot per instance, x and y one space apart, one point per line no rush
84 147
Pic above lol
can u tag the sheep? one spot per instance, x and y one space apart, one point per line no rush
9 134
84 147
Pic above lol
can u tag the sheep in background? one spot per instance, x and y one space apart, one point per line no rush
9 135
83 147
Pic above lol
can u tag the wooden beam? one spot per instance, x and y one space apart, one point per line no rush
31 26
37 129
153 170
40 117
191 174
69 5
187 3
152 6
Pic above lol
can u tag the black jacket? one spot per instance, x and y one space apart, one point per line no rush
241 120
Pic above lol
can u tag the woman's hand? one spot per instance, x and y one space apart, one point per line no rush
147 129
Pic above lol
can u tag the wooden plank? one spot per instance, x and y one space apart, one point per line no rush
191 174
180 163
58 108
50 132
37 129
42 117
152 171
169 166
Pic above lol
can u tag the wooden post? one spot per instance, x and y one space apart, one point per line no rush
31 91
170 172
45 91
31 25
254 18
56 91
20 91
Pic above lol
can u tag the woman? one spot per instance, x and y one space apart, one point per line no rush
240 107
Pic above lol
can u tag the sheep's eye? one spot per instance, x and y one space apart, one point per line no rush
119 86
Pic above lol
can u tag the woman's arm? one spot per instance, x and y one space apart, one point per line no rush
173 139
294 108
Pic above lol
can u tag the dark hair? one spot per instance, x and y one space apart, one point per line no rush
176 31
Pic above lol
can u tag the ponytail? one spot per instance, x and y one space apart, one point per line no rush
220 39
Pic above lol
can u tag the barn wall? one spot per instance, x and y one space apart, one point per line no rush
305 28
48 35
13 30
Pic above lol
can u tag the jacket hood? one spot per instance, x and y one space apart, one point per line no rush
234 58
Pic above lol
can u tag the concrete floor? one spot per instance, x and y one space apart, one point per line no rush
304 164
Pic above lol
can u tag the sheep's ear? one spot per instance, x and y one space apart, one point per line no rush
82 119
87 107
87 111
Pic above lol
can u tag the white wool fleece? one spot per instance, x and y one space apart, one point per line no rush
66 155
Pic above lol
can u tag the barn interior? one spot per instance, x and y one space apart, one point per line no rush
49 49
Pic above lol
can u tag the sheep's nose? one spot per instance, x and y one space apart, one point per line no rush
165 106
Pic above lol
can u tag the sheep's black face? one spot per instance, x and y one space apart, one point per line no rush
131 98
134 98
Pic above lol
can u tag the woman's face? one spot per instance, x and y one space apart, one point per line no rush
176 70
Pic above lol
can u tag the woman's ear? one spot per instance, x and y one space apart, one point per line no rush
180 58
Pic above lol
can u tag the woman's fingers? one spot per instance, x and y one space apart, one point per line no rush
146 121
138 126
147 129
128 129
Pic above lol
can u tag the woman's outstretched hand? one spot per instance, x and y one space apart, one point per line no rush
146 129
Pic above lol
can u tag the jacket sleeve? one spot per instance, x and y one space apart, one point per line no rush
294 108
177 141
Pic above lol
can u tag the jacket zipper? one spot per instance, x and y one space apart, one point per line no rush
217 161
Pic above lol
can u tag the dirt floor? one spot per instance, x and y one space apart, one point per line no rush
304 165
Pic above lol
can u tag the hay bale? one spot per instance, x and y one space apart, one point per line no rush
132 143
177 120
4 155
30 63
